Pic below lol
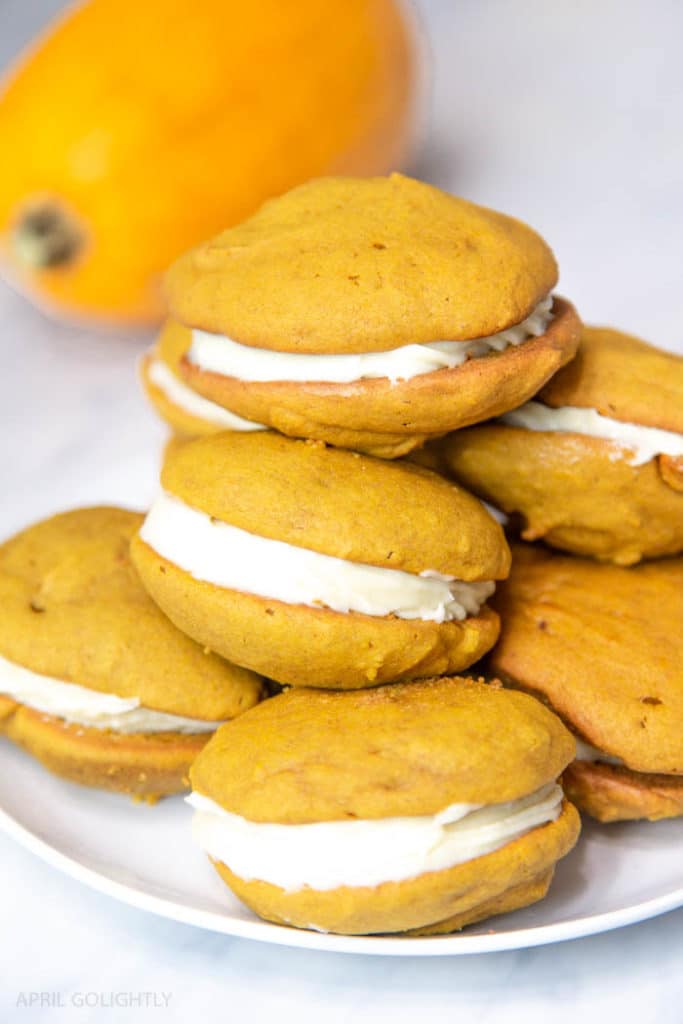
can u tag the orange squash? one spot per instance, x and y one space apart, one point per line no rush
135 128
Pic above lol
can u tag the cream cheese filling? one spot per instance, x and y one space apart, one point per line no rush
190 402
634 443
326 855
219 354
585 752
81 706
218 553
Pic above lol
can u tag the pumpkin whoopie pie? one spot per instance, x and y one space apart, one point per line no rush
370 314
603 646
319 566
186 412
417 807
94 681
594 464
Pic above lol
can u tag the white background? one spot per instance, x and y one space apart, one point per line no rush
569 114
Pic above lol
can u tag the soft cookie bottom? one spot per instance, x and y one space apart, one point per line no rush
390 419
514 876
144 767
615 793
302 646
574 492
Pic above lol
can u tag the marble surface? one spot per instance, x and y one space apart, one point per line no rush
568 115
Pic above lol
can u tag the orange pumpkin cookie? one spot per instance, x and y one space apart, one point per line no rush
410 808
318 566
94 681
371 314
602 645
594 464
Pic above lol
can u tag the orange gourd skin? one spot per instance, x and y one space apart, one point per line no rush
155 123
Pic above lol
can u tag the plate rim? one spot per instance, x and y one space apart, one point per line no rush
264 931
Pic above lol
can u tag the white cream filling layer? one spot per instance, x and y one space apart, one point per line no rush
81 706
229 557
196 405
636 444
326 855
585 752
220 354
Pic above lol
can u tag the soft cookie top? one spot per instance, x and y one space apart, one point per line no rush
405 749
73 609
623 378
339 503
603 645
345 265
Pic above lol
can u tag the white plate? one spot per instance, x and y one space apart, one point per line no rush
144 856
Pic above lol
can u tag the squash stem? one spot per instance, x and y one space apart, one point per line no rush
45 236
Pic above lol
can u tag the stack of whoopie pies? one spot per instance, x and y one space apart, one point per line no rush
593 465
341 327
343 373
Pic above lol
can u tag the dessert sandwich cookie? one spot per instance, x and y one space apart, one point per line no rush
370 314
603 646
594 463
95 682
184 410
319 566
415 808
